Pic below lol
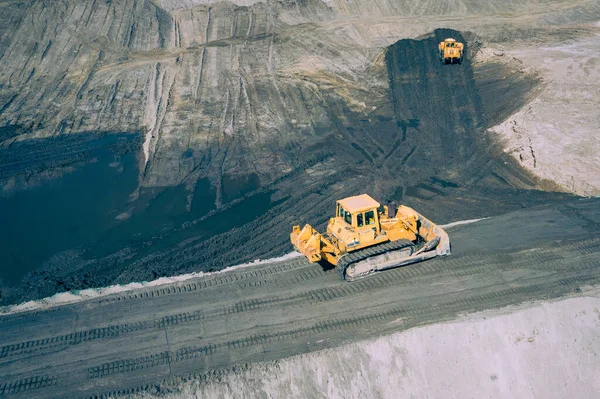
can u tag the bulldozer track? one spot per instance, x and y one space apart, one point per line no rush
127 365
202 377
541 259
317 295
115 331
245 280
25 315
363 254
61 341
585 222
408 313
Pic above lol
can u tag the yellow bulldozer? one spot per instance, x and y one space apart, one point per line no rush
451 51
364 238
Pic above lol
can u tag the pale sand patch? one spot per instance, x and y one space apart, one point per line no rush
124 215
557 135
460 223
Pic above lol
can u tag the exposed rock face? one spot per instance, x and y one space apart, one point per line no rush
205 79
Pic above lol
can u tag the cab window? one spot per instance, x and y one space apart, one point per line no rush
340 211
347 217
370 217
359 220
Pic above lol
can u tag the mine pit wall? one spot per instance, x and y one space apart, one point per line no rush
211 77
301 103
215 80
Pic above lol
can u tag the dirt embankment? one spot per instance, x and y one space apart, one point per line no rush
233 83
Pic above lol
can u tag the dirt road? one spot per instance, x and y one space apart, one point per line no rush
131 342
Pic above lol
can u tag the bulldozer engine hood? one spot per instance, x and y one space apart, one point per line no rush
346 234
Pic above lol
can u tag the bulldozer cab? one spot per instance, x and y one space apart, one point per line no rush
449 42
359 212
451 51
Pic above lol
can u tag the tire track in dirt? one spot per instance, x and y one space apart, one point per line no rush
548 258
28 384
412 314
500 297
212 282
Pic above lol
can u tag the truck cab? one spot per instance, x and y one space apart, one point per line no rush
359 211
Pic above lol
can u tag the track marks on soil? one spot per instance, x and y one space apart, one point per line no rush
114 331
213 282
586 222
409 313
29 157
127 365
187 353
27 384
76 338
546 259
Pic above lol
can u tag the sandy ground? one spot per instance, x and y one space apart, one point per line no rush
556 135
541 350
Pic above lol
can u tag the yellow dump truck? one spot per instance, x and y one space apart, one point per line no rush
364 238
451 51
